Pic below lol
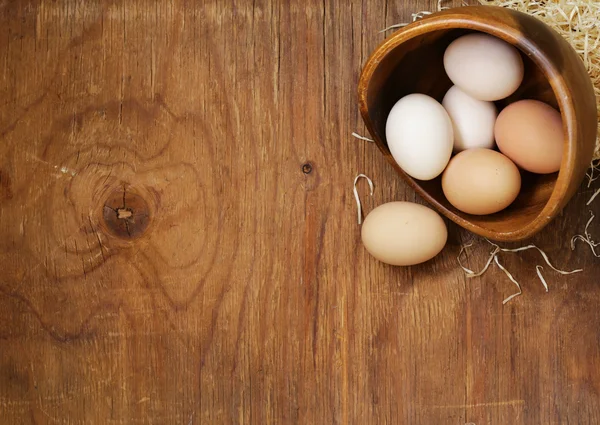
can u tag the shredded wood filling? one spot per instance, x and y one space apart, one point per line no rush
358 203
587 238
493 258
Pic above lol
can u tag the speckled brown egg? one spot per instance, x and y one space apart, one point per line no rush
481 181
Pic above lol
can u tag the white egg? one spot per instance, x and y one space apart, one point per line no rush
419 135
484 66
473 120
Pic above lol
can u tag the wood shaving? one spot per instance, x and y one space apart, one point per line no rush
510 276
538 270
366 139
546 259
577 22
494 258
358 204
470 273
393 27
593 172
596 193
416 16
587 238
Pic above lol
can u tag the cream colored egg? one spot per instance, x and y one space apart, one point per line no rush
481 181
472 119
484 66
404 233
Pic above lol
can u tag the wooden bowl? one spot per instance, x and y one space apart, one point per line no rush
411 61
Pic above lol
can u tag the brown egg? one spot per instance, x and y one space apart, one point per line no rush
403 233
481 181
530 133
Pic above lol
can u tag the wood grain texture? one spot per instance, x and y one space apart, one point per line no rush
236 291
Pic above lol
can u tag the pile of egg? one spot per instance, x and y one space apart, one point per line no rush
477 150
422 134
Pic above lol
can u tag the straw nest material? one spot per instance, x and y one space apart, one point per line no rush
578 22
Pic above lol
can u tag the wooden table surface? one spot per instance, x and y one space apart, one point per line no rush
238 292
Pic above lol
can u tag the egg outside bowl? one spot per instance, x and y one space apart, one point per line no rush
411 61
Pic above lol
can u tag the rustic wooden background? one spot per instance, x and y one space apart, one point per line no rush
239 291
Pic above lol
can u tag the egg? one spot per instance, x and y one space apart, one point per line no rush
472 120
531 134
481 181
404 233
484 66
419 135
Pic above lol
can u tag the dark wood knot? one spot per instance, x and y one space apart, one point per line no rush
126 214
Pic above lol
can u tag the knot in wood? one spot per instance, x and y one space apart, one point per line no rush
307 168
126 214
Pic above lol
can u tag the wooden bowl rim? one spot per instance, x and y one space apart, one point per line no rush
457 19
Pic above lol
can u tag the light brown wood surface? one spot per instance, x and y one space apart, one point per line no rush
234 289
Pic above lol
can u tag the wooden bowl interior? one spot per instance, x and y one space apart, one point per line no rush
416 66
